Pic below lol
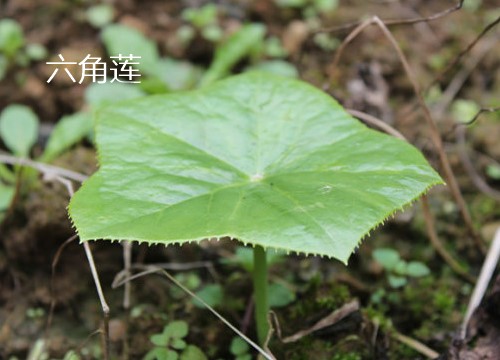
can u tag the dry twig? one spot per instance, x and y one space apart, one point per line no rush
415 345
393 22
471 170
489 265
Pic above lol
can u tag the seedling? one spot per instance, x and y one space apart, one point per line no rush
204 20
267 160
240 349
100 15
170 344
310 7
14 49
19 132
398 269
162 74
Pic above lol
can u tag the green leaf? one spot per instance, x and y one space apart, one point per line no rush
100 15
6 195
121 39
177 329
11 37
71 355
193 353
279 295
234 49
178 75
190 280
326 5
397 281
274 48
68 131
401 267
417 269
7 175
238 346
212 33
18 129
267 160
212 294
178 344
386 257
160 339
36 52
201 17
292 3
244 357
493 171
161 354
97 95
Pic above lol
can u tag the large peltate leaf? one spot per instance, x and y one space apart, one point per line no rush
264 159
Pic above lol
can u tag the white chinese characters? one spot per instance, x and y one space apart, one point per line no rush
94 68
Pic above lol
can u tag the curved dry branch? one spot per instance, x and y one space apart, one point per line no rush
393 22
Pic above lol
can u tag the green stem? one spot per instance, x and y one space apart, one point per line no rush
260 292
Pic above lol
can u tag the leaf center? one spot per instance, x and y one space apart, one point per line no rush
256 177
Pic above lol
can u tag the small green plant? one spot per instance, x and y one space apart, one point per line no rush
19 132
310 7
11 37
14 49
205 20
163 74
100 15
246 41
240 349
264 159
398 270
170 344
71 355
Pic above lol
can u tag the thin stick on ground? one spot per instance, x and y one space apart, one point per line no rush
104 305
95 276
489 265
434 131
393 22
415 345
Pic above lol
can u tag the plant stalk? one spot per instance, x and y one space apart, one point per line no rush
260 292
